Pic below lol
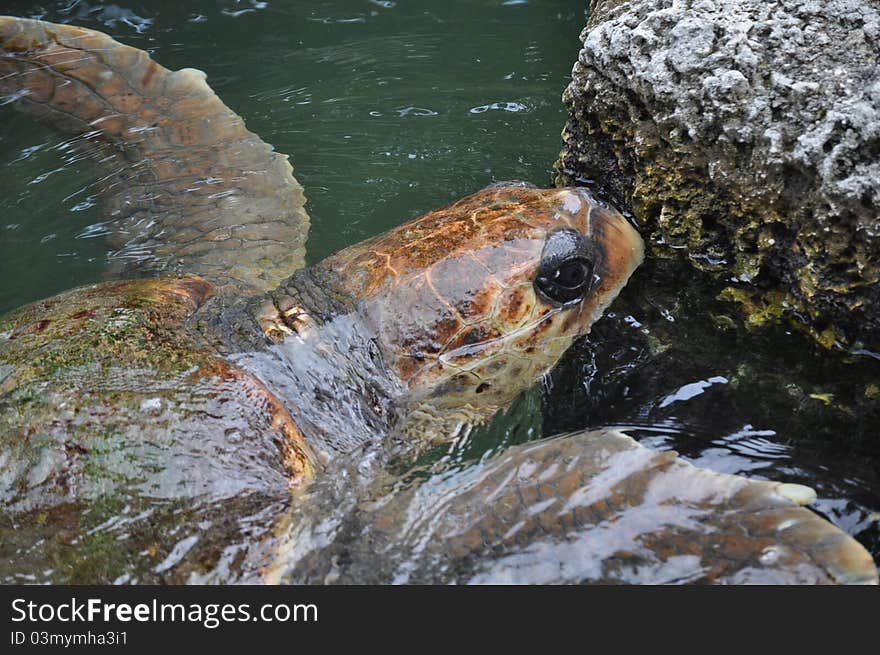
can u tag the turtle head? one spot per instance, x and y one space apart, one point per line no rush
475 301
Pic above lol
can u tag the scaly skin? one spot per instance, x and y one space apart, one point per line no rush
452 298
592 507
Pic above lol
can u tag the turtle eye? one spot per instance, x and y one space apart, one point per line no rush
566 271
571 274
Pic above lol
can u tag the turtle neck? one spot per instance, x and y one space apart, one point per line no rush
323 362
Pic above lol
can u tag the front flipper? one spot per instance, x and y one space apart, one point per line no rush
188 189
591 507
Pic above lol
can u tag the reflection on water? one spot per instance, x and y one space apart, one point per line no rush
768 405
391 109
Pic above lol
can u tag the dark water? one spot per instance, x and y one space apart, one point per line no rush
390 109
667 363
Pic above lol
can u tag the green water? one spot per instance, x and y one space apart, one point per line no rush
389 109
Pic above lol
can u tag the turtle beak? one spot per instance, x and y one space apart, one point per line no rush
620 246
619 250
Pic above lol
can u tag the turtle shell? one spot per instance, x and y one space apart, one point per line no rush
108 389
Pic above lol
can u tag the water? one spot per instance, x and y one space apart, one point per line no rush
391 109
771 405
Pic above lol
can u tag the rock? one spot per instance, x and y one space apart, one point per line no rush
744 136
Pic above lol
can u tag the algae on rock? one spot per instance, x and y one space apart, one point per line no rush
743 135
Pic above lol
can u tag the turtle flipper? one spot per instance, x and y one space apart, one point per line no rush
606 509
590 507
187 187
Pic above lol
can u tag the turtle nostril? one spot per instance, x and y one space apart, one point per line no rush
482 387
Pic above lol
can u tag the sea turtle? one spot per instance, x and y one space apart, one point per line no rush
222 413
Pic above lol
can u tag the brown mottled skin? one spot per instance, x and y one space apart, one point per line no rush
213 395
452 294
97 356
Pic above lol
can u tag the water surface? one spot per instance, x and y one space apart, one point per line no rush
389 109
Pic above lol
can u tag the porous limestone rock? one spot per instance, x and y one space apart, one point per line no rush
743 135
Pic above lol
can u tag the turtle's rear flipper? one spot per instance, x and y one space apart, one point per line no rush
187 187
590 507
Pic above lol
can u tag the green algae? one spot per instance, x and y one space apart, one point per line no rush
136 324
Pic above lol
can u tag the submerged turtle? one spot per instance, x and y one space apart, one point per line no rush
223 413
